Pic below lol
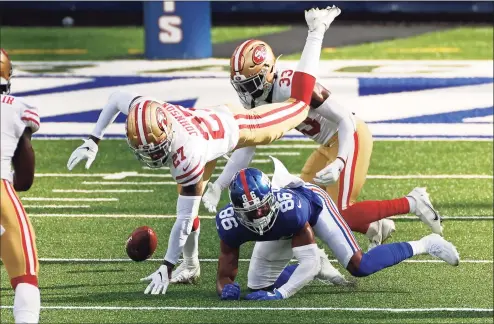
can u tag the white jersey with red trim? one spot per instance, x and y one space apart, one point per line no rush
200 135
15 111
315 125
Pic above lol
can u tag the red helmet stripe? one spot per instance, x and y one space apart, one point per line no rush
143 116
136 124
238 55
243 179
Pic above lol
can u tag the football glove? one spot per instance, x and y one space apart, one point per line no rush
264 295
211 197
30 118
86 151
231 292
330 173
158 281
319 20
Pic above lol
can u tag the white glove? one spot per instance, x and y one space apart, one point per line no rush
30 118
329 174
158 281
211 197
88 151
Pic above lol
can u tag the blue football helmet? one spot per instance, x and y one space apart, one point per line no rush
253 200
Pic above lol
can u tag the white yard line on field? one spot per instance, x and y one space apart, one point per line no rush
269 309
213 217
67 199
56 206
151 183
241 260
103 191
125 174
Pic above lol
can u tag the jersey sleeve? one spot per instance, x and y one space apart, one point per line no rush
187 163
283 85
29 115
229 230
295 217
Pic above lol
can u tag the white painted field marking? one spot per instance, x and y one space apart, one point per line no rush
270 309
172 216
432 176
241 260
125 174
56 206
278 153
103 190
149 183
67 199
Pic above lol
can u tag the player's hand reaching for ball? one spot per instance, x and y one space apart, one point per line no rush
231 292
86 151
158 281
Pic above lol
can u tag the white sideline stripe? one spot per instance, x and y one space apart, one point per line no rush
432 176
67 199
121 175
278 153
235 308
240 260
103 190
56 206
213 217
129 183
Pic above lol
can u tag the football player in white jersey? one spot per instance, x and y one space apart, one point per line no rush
339 165
190 140
17 241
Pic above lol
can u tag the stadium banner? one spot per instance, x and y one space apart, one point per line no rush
177 29
413 100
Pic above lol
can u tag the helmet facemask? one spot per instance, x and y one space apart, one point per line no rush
258 216
255 88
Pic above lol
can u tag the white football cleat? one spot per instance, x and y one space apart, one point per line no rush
185 273
425 211
320 19
379 232
440 248
330 274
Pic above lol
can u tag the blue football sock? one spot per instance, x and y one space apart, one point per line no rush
285 275
383 256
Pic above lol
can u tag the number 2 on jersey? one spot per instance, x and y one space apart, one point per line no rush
205 125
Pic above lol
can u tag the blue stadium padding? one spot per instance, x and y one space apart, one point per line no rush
177 30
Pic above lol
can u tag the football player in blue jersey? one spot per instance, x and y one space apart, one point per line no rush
283 218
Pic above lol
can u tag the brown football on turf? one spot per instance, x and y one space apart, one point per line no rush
141 244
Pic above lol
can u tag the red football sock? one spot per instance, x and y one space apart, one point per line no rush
359 215
196 224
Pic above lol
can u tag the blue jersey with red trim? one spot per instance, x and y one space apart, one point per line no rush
297 207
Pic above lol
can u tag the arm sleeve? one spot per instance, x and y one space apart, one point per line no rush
346 125
309 267
187 208
118 101
240 159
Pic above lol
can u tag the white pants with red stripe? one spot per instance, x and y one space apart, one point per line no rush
269 258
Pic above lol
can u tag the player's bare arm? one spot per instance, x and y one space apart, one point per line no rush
227 266
24 162
319 95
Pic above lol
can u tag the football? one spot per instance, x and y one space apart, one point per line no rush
141 244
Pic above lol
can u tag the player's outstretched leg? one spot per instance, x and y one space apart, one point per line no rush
387 255
304 78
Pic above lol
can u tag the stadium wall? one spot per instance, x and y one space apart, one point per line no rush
111 13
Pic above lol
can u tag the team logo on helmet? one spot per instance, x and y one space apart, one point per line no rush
259 54
161 118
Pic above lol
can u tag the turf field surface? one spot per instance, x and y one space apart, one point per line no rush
99 43
82 219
